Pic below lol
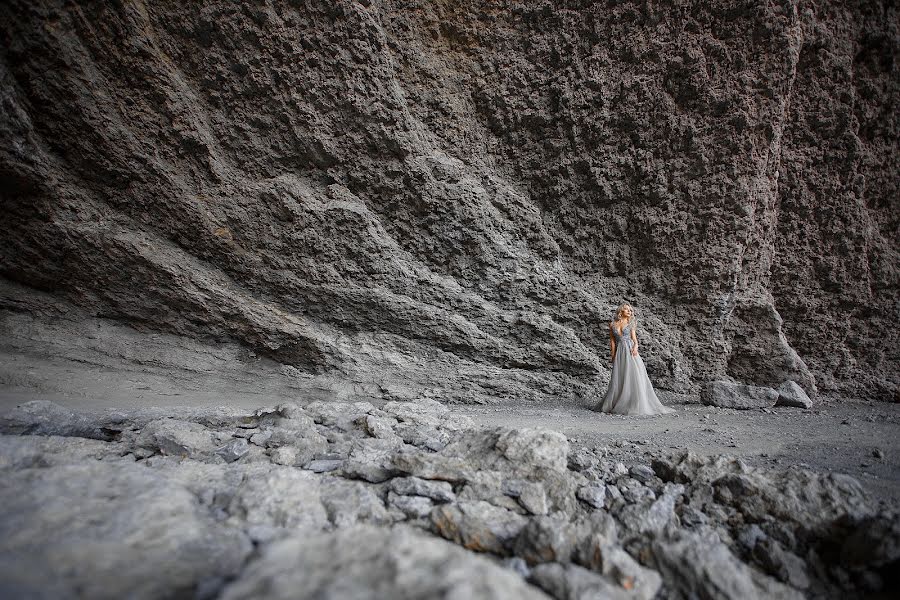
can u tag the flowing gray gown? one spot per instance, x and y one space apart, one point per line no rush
630 391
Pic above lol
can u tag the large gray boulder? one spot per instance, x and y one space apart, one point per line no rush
109 530
791 394
703 567
725 394
797 496
41 417
367 562
25 451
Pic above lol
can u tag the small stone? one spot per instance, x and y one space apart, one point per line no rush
547 538
411 506
592 495
534 499
285 455
518 565
633 491
643 473
440 491
234 450
878 453
478 526
323 465
614 498
261 438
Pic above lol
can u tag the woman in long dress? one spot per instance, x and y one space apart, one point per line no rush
630 391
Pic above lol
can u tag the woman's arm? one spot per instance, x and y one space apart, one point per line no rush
634 342
612 344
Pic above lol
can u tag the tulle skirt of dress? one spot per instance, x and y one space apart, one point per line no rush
630 391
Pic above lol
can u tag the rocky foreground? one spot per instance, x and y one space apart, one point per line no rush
346 500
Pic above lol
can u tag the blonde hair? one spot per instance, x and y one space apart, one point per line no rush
631 320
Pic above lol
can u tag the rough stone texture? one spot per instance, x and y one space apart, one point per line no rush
725 394
408 198
108 531
365 562
546 538
791 394
825 497
593 495
704 568
176 438
114 517
441 491
571 582
478 526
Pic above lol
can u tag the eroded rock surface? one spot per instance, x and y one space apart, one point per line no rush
494 512
395 198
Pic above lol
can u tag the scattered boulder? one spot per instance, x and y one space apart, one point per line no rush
324 465
796 496
42 417
439 491
177 438
642 473
497 490
651 516
780 563
350 502
594 531
725 394
530 494
592 495
234 450
343 416
546 538
633 491
478 525
535 448
430 438
372 459
703 567
615 563
369 562
412 506
38 451
381 427
791 394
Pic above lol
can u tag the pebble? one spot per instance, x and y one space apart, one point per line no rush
878 453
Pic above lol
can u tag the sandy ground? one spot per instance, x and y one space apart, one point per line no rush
858 438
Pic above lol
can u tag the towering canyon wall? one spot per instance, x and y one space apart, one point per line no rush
450 198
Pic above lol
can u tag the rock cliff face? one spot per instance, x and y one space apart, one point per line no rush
451 198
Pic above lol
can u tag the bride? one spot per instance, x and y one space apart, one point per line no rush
630 391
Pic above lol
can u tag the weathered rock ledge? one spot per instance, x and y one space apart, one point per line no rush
406 500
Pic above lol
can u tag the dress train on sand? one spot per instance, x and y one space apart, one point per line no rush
630 391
